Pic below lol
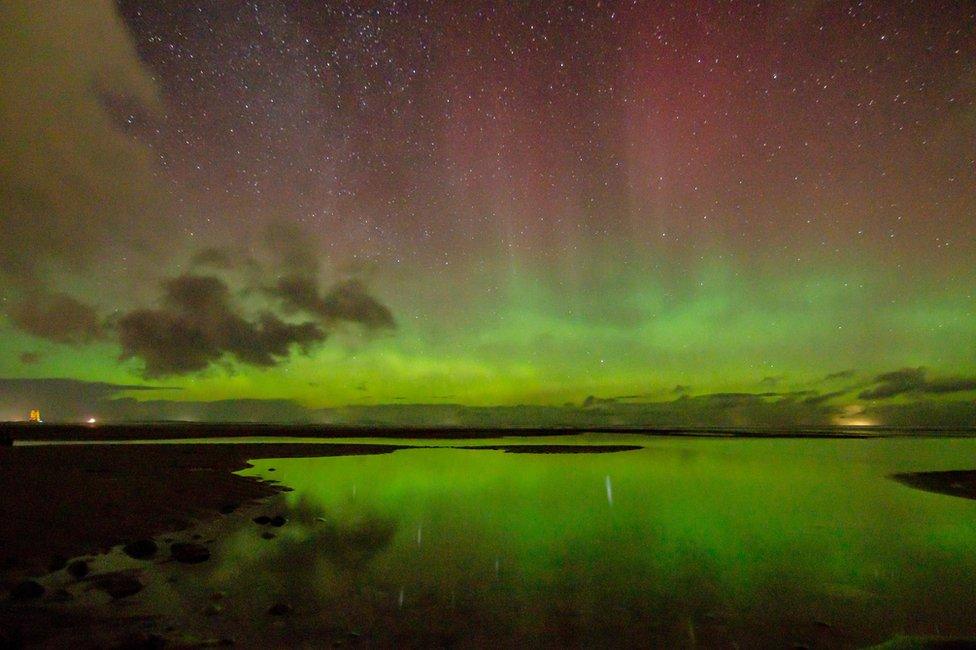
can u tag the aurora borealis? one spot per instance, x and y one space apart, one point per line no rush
763 207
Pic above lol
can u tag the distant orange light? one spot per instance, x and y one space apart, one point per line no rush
853 416
91 420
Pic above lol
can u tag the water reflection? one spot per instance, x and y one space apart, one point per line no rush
688 542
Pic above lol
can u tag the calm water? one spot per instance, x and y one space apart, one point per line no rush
687 541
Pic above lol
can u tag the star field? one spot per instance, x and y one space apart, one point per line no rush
559 199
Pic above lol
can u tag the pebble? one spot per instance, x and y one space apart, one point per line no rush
142 549
189 553
78 569
280 609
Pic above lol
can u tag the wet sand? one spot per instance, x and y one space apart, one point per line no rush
60 502
65 503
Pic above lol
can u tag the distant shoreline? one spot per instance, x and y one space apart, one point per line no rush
957 483
177 430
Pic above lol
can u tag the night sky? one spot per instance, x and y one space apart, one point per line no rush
764 210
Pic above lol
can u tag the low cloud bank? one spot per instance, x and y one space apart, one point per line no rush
913 381
75 400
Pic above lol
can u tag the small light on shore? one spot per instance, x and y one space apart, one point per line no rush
91 420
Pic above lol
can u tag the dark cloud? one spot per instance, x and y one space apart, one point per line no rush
29 358
729 400
592 400
824 397
349 301
297 293
723 410
914 381
198 325
56 317
952 385
895 383
346 301
297 261
71 180
842 374
926 414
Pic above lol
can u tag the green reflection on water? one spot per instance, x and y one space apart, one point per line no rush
704 541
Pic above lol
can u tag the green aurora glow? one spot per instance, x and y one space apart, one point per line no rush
644 212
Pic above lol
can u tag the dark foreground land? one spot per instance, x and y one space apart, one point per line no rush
63 501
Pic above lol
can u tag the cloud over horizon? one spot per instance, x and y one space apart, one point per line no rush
914 381
348 301
57 317
201 322
198 325
73 400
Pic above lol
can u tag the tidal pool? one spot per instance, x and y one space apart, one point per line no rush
706 542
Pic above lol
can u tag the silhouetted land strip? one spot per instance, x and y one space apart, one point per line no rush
173 430
555 449
957 483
